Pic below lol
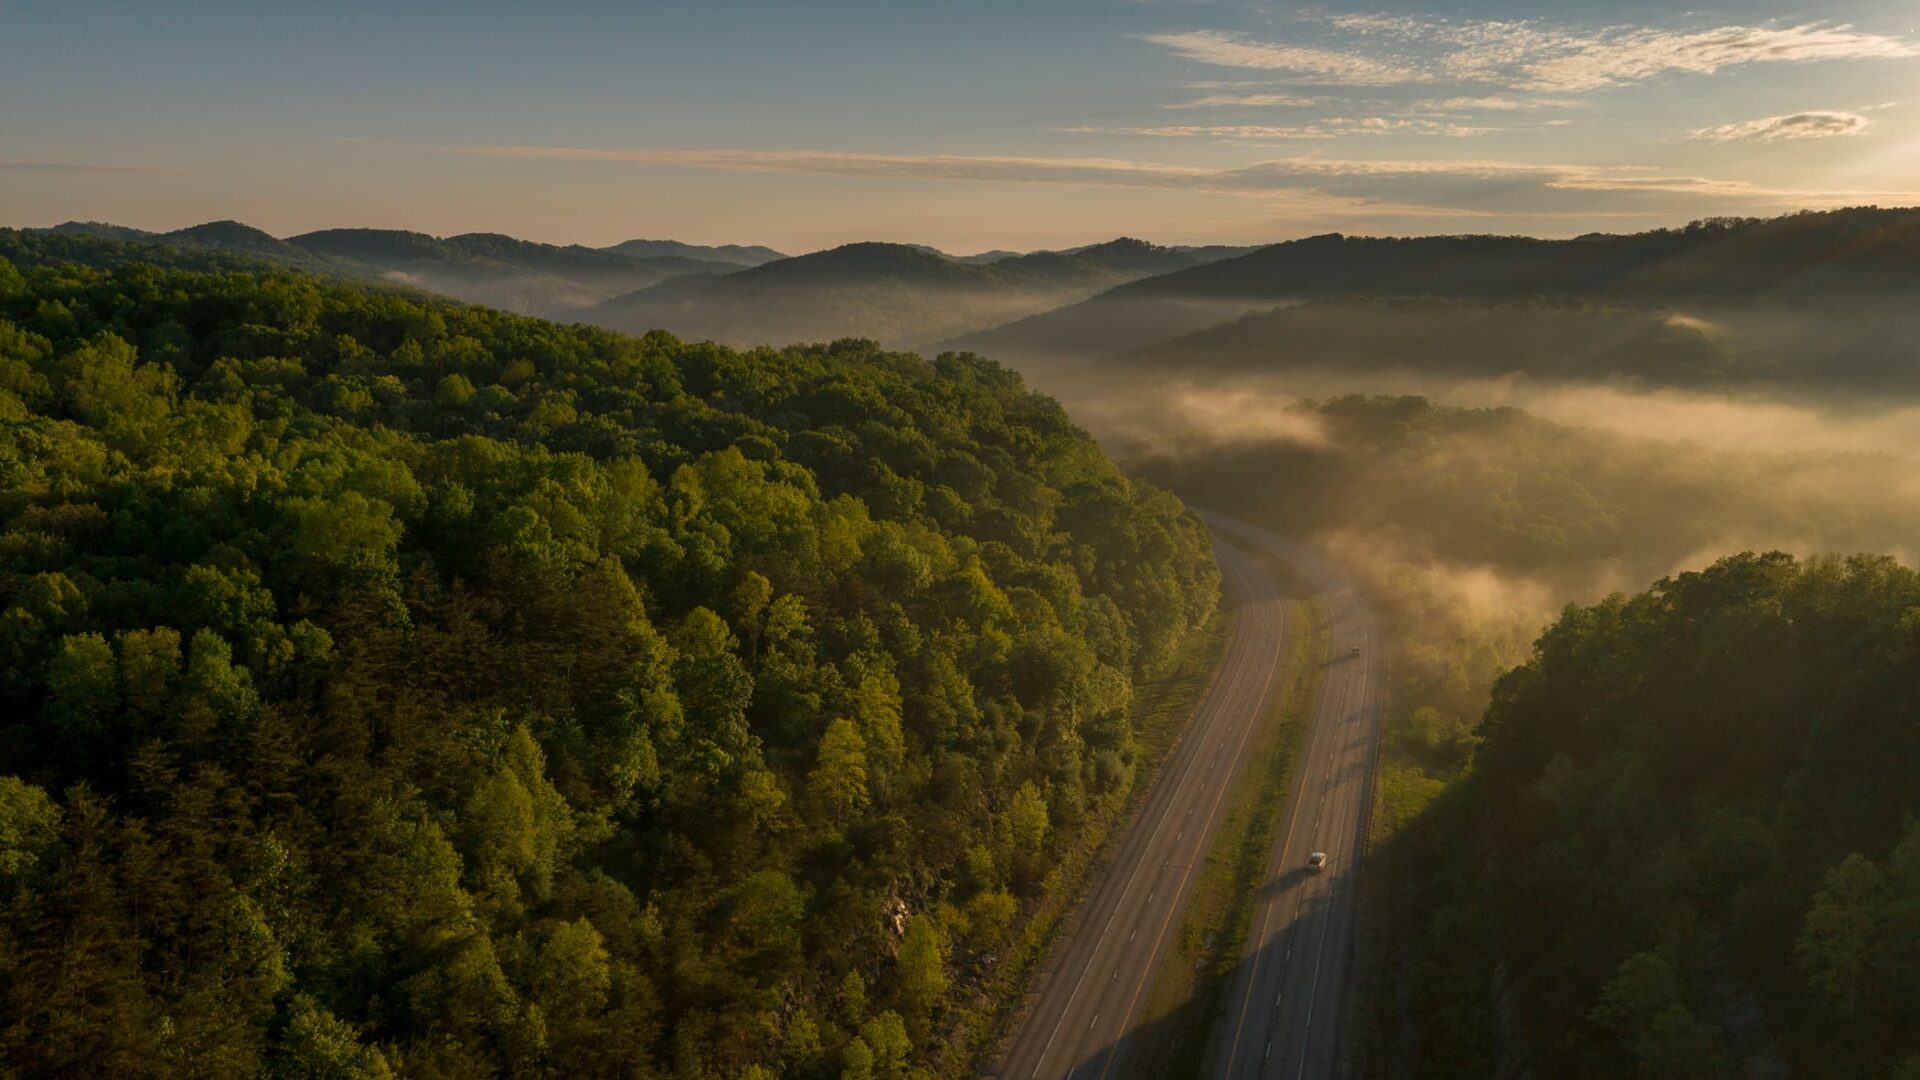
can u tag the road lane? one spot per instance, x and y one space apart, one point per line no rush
1284 1005
1087 1004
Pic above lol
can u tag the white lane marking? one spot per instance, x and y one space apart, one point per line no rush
1326 924
1314 741
1340 828
1273 667
1177 786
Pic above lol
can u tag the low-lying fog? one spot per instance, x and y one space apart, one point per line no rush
1476 508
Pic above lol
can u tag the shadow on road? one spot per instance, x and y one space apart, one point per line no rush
1182 1043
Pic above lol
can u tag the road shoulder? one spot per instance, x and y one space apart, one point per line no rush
1190 989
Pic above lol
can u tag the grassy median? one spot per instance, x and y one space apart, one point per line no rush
1192 982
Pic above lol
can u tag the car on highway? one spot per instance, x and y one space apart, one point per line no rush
1317 861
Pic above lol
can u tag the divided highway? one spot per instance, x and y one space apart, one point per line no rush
1284 1002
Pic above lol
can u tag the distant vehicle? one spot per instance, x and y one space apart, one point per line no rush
1317 861
1355 651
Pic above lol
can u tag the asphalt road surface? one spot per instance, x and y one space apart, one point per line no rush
1284 1004
1090 999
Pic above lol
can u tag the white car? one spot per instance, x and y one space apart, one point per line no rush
1317 861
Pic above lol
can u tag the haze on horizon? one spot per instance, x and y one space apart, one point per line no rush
968 126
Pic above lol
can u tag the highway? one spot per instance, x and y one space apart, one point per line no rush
1285 1002
1283 1008
1088 1002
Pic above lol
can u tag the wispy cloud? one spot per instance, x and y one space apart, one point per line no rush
1231 132
19 165
1332 127
1305 63
1815 124
884 166
1629 56
1527 55
1309 184
1250 100
1494 103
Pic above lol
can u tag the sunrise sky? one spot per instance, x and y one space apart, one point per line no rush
965 125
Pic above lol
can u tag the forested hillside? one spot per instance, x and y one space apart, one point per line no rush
898 293
737 254
486 268
1826 270
501 271
394 687
1688 845
1429 340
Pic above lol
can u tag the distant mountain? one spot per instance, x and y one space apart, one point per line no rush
236 238
112 247
1194 256
99 228
1861 252
1206 253
1453 338
736 254
899 294
228 237
486 268
1198 255
501 271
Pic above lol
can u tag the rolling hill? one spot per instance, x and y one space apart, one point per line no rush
734 254
899 294
504 272
1455 338
400 687
1867 253
487 268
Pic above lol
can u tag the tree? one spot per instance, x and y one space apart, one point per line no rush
886 1036
1836 945
1027 818
83 685
29 828
1643 1006
574 976
856 1060
319 1046
838 783
922 972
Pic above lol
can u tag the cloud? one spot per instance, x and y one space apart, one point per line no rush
1328 128
1816 124
1527 55
1251 100
1629 56
1306 63
1262 177
17 165
1308 185
1235 132
1494 103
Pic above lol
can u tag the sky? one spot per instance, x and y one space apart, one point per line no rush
967 125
